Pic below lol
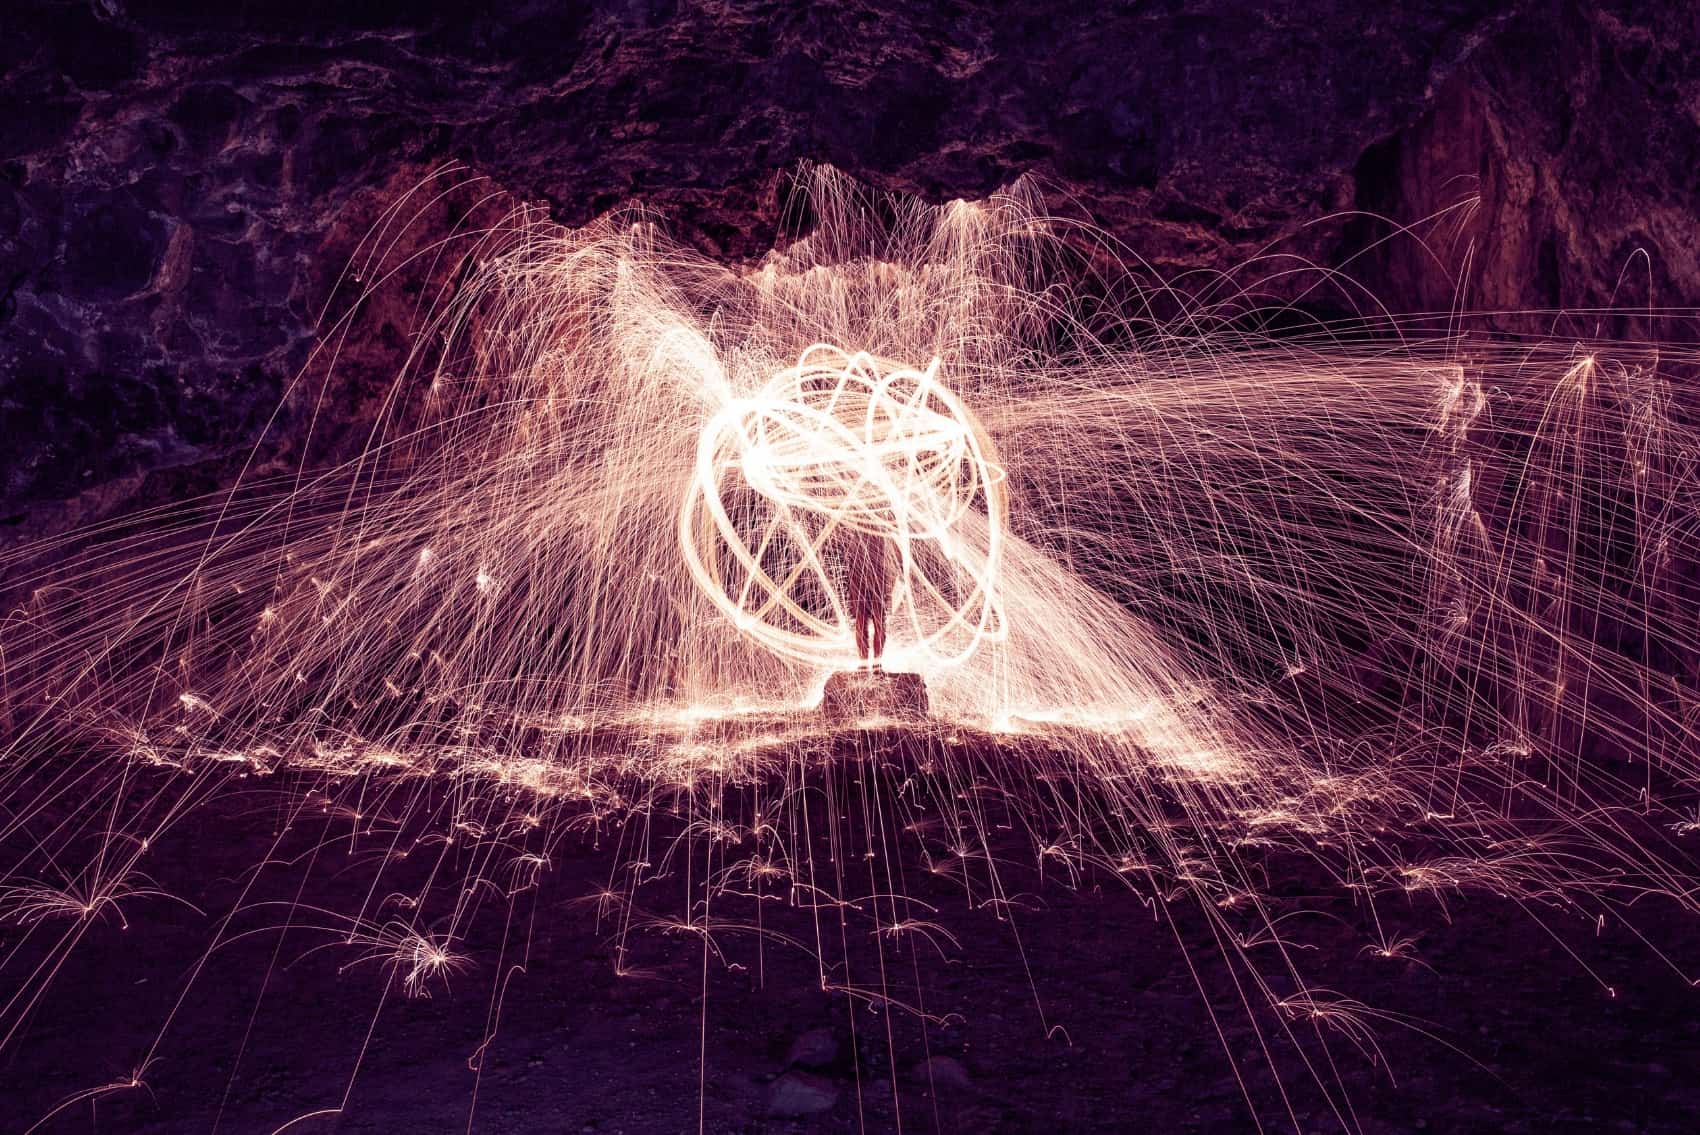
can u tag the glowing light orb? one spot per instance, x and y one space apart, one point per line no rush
844 447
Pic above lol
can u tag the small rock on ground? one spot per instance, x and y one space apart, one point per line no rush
944 1073
801 1093
815 1049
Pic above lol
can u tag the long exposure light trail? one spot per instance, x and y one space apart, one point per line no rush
1185 596
832 444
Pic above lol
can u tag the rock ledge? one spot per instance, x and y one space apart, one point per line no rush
857 695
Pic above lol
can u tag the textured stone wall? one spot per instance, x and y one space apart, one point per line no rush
181 183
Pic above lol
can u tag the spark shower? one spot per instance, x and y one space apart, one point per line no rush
1408 603
833 444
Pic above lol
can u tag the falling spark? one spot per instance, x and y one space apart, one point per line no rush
1177 591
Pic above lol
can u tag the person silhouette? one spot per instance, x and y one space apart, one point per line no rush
867 572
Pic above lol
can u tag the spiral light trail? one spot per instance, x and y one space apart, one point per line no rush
1184 594
835 444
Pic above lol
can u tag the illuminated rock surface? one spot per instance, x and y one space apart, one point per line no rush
859 695
180 185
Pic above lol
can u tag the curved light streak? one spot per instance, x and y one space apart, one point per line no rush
837 442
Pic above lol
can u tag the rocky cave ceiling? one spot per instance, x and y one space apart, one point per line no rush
180 182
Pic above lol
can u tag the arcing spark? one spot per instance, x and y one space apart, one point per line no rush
1178 589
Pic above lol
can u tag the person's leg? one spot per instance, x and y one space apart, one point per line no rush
859 618
879 639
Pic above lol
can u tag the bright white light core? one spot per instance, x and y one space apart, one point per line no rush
844 443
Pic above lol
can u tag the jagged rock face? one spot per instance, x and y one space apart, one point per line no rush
180 184
1561 159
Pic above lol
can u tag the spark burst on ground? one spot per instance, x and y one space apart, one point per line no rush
1418 608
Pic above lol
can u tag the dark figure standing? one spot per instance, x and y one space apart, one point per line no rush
868 571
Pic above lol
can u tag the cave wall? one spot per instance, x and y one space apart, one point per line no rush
181 184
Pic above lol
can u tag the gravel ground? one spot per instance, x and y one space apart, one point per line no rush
1073 1007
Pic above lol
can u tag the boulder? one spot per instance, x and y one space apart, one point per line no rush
863 695
943 1073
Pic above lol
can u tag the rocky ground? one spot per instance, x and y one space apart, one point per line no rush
1081 1010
